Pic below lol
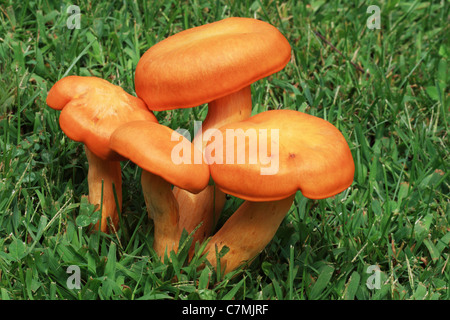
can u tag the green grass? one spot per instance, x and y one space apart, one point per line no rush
396 214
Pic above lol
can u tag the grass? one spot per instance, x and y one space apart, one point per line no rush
394 115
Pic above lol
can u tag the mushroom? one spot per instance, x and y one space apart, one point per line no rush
153 147
216 64
91 109
306 153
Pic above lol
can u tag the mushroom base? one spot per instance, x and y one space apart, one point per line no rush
199 211
247 232
102 175
162 207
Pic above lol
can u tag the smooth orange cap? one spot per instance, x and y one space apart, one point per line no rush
204 63
156 149
92 108
304 152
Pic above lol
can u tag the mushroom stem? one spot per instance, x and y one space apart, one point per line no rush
202 208
206 206
247 232
231 108
162 207
102 175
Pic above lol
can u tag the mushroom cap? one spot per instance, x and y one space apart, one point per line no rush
311 155
204 63
92 108
150 146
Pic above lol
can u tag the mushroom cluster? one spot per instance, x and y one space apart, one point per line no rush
213 64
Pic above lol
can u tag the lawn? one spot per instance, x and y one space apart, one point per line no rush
386 237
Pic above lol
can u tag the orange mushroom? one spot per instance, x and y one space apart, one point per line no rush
285 151
152 147
91 109
216 64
